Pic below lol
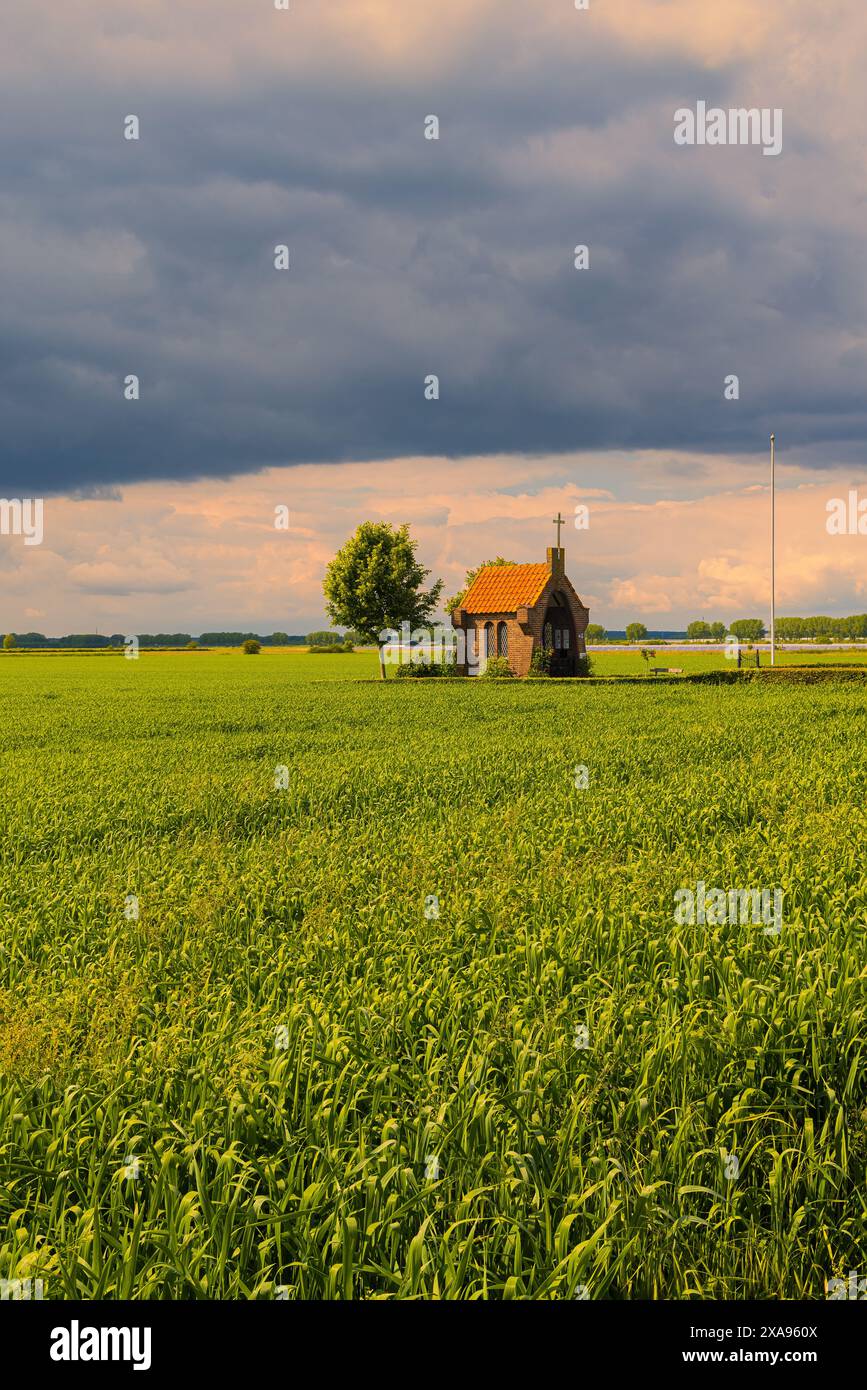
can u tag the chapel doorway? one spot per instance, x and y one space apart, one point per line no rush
558 637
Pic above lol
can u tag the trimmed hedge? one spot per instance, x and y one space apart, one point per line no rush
792 675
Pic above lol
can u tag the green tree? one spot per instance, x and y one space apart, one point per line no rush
374 583
635 632
698 629
9 641
252 646
324 639
747 629
452 603
279 639
718 631
595 633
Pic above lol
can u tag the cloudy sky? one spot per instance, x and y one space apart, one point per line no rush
411 257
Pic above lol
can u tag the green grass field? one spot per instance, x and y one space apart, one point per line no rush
631 663
289 1077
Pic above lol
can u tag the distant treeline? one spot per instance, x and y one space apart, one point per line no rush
156 639
787 629
748 629
792 628
330 638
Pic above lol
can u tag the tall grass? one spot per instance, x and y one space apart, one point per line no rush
303 1167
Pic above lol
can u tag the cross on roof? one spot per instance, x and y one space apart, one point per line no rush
558 522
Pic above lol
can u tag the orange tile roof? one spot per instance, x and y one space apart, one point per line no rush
505 588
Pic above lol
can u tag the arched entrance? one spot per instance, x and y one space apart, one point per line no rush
558 636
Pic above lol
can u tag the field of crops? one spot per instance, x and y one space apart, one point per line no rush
415 1018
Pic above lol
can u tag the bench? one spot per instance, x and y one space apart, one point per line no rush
666 670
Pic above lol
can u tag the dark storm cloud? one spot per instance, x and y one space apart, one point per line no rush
409 257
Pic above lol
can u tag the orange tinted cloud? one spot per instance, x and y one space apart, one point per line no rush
227 41
201 555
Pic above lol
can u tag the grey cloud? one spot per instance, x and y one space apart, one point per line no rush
408 258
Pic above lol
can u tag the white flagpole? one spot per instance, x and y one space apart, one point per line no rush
773 559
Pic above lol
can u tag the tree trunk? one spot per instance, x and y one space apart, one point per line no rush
381 662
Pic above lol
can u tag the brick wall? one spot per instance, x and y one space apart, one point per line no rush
525 628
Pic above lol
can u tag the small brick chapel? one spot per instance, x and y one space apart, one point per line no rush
514 610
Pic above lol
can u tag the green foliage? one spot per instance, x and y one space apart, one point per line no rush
595 633
636 632
329 649
717 676
413 670
9 641
496 668
540 661
324 639
718 631
698 630
192 647
823 629
252 647
303 1165
374 582
748 629
806 675
452 603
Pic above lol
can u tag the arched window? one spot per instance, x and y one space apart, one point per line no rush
489 639
548 637
502 640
